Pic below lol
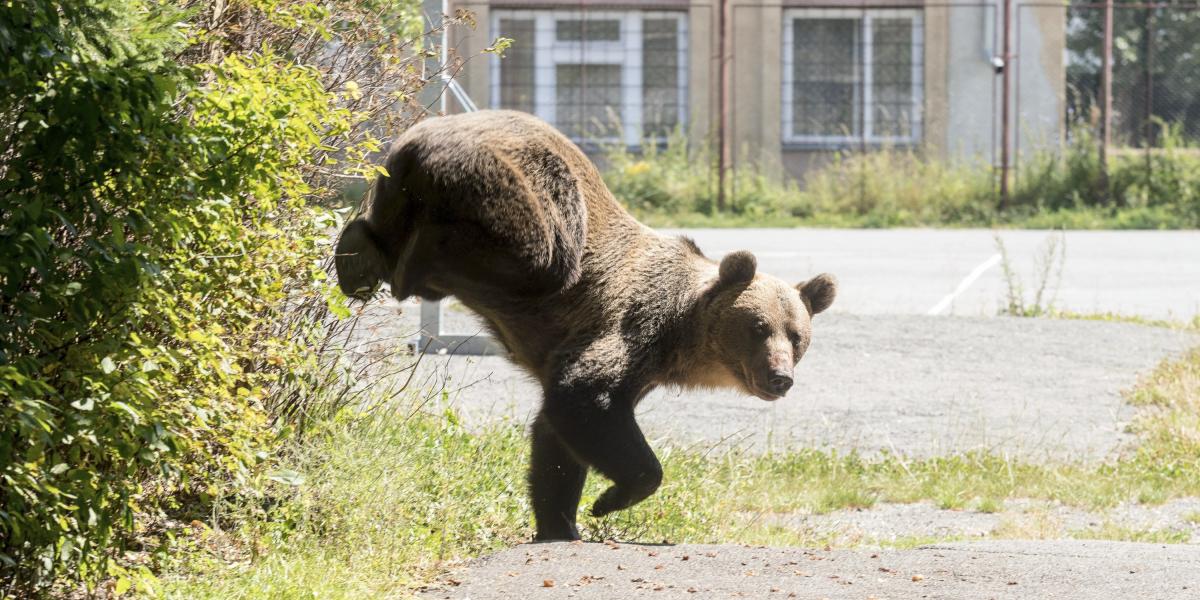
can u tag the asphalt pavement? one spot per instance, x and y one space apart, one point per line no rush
977 570
911 384
910 271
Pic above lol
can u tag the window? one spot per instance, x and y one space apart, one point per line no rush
599 76
851 76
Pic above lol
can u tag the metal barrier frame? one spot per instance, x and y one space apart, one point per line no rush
431 339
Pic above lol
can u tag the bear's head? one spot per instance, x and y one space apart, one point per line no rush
759 326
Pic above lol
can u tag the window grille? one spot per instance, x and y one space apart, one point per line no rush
852 76
599 76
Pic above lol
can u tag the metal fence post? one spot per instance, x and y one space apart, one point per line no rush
723 18
1005 102
1106 99
432 340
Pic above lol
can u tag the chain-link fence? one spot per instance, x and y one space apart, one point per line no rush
790 87
1155 56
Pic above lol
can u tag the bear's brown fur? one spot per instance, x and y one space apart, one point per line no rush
502 211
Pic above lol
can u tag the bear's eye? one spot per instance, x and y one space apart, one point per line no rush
795 338
762 327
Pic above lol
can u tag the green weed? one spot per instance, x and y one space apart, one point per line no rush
1120 533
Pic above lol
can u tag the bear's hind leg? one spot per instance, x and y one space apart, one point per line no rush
555 484
606 436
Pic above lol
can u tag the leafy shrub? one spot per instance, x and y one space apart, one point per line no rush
161 280
142 254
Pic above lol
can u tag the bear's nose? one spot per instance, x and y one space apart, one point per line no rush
780 383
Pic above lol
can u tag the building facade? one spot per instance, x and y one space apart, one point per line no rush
806 79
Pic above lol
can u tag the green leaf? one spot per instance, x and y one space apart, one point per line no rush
107 365
287 477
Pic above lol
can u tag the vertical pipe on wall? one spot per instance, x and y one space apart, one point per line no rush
1106 98
1005 102
1150 139
722 101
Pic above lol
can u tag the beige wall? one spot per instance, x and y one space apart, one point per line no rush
1040 79
937 57
476 76
756 92
702 71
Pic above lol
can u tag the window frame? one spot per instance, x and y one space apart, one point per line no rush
549 52
866 112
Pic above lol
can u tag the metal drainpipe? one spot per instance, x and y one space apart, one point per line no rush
1106 99
1005 102
722 102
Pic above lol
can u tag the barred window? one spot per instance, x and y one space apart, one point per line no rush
852 75
599 76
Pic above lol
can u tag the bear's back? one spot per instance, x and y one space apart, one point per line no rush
497 150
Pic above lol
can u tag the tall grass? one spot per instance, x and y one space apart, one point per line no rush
675 184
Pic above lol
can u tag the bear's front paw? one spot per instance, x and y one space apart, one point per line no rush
612 500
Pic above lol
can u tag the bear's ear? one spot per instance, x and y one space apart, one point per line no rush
818 292
738 267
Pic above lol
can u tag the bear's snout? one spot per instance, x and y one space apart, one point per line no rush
780 382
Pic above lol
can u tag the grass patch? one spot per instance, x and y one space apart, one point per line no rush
375 505
1037 524
380 504
990 505
1111 317
1119 533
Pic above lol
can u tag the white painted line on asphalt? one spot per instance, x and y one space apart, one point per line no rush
965 283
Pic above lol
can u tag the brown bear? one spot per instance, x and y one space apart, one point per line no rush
502 211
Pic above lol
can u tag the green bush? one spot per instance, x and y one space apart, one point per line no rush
154 231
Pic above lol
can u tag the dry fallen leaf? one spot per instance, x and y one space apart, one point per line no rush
547 583
918 577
